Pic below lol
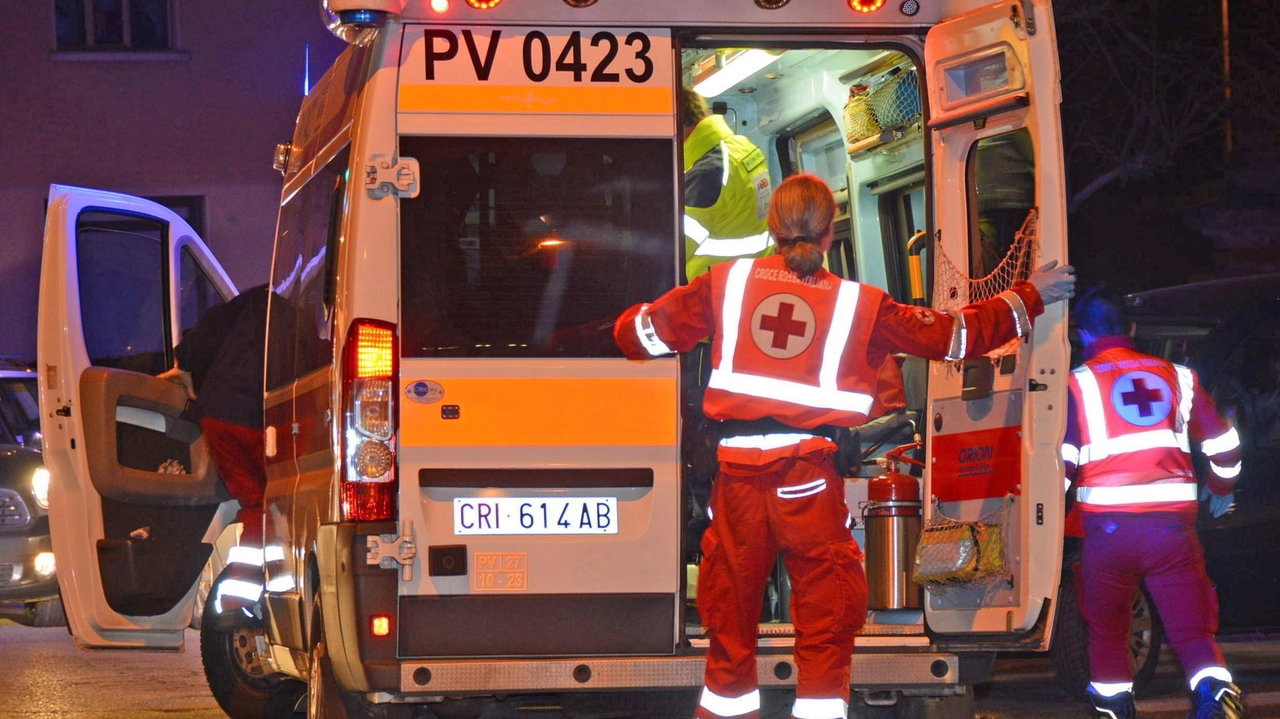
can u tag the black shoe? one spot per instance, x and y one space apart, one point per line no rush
1120 706
1216 699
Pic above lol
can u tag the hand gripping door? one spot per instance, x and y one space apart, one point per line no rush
134 497
991 77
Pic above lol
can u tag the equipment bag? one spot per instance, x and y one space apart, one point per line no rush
953 553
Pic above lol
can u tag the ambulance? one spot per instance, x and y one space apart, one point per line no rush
475 506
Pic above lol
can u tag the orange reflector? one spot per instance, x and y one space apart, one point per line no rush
483 4
374 346
866 5
380 625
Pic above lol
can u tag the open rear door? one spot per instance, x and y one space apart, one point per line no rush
995 424
134 497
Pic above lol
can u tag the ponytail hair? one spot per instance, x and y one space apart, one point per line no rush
800 216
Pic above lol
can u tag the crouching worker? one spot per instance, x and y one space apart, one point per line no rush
796 350
1131 420
220 361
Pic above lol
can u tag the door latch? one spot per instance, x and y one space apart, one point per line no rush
383 179
388 551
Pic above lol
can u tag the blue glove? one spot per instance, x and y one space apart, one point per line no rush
1219 504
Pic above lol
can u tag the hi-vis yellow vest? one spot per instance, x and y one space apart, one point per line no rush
735 226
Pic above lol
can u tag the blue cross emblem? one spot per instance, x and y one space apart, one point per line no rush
1142 398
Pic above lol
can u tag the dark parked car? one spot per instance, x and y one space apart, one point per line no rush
1229 332
28 578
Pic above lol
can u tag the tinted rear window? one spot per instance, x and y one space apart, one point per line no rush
514 239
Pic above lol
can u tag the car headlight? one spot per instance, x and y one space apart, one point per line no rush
40 487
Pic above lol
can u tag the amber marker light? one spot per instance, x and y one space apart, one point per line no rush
483 4
551 243
373 347
866 5
380 625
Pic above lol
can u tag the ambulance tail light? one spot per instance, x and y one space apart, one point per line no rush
371 372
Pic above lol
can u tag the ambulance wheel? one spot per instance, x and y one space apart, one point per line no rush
326 700
1070 648
44 613
237 677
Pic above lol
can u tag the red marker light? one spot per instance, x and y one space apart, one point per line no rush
483 4
866 5
380 625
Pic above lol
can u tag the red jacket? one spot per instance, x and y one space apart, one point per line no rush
1131 420
807 352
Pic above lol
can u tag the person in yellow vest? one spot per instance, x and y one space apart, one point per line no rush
726 191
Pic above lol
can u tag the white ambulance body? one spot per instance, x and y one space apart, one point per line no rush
470 495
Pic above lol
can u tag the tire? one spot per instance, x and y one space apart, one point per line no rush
237 678
1070 649
45 613
326 700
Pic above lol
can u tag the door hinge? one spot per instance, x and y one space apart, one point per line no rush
388 550
383 179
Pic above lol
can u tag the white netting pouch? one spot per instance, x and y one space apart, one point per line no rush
953 288
955 553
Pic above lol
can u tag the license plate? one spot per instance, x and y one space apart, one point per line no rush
535 515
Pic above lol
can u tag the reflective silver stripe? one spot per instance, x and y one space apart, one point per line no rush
838 334
734 289
649 336
1137 494
764 441
820 709
694 230
1095 417
825 395
729 706
1070 453
802 490
283 583
1020 318
239 588
724 153
959 337
1215 672
1152 439
1066 484
1226 472
734 247
787 391
245 555
1111 689
273 553
1224 442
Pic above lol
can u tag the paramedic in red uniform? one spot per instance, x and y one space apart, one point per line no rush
796 350
1131 421
221 363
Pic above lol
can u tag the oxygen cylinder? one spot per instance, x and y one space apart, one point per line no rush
891 517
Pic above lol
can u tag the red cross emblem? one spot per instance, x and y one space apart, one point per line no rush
783 325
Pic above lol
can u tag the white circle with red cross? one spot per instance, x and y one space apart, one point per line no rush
783 325
1142 398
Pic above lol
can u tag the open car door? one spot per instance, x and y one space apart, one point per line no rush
134 496
996 422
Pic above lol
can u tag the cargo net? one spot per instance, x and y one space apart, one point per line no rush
891 104
955 553
954 288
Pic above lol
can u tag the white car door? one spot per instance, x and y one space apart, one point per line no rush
134 496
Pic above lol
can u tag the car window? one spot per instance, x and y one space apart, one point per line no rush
19 409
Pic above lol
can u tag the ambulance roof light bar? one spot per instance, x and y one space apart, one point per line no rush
737 69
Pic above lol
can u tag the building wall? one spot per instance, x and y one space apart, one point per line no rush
203 120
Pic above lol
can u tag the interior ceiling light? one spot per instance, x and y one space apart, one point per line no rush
771 4
866 5
910 7
739 68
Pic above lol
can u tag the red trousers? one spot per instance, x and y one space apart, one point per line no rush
1120 551
794 505
238 454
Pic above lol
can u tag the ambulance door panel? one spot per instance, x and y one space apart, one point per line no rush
134 495
996 423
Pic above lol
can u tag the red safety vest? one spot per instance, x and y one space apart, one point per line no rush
791 349
1135 444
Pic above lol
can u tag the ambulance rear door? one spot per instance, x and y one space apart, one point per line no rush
995 424
134 500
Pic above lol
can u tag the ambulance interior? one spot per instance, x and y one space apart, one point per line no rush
854 118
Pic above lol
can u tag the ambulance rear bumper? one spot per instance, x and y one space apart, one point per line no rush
932 672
